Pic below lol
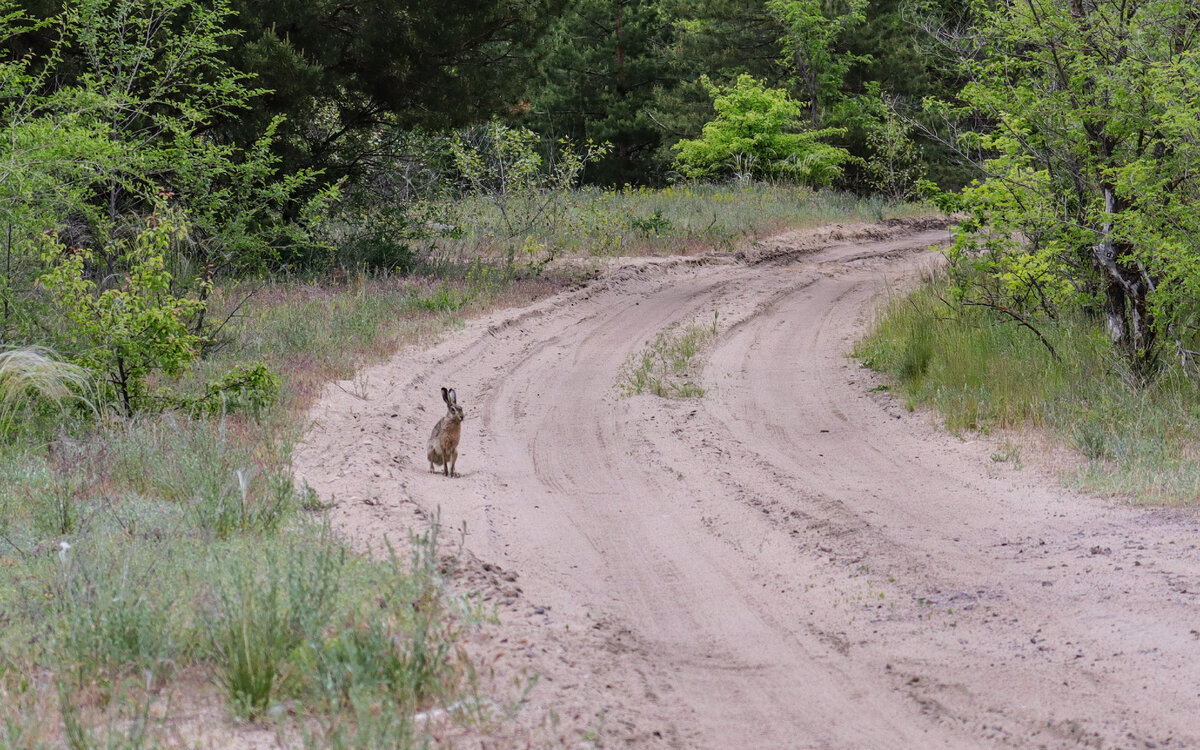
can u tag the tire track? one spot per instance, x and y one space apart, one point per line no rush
789 561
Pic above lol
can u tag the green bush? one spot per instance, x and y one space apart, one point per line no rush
120 208
757 132
125 333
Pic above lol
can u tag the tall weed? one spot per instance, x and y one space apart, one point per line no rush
391 658
113 613
221 476
268 606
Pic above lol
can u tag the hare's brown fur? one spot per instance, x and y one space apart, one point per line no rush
443 443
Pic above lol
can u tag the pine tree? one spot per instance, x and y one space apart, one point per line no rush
342 71
603 69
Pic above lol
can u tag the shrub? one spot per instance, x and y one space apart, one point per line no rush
757 132
124 333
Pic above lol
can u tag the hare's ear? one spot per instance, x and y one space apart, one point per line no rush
453 399
446 395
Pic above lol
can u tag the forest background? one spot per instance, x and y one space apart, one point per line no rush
211 208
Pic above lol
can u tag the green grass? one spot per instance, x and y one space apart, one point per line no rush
668 366
980 371
646 221
274 617
138 553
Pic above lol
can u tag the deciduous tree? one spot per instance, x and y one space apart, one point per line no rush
1090 190
759 131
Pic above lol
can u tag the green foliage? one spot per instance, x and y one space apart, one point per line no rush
341 70
808 48
682 218
721 39
444 298
102 133
217 482
759 130
138 85
893 166
125 333
285 627
602 76
251 388
373 654
1089 183
654 225
982 371
629 72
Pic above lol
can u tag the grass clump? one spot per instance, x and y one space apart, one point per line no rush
279 619
113 612
35 386
980 371
668 366
335 633
256 625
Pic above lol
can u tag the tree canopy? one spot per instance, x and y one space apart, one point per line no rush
759 132
1076 120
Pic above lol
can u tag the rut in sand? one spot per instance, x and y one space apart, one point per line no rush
790 561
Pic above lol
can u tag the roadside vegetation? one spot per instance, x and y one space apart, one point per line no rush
211 209
153 566
981 370
1070 294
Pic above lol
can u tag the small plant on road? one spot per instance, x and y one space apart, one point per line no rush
667 367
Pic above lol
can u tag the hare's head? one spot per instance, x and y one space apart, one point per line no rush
456 413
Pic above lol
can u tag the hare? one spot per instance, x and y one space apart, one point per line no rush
443 443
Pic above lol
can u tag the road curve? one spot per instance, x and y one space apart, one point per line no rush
791 560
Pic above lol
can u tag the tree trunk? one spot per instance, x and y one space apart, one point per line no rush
1114 312
1128 316
623 145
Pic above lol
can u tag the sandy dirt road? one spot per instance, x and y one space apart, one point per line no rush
790 561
